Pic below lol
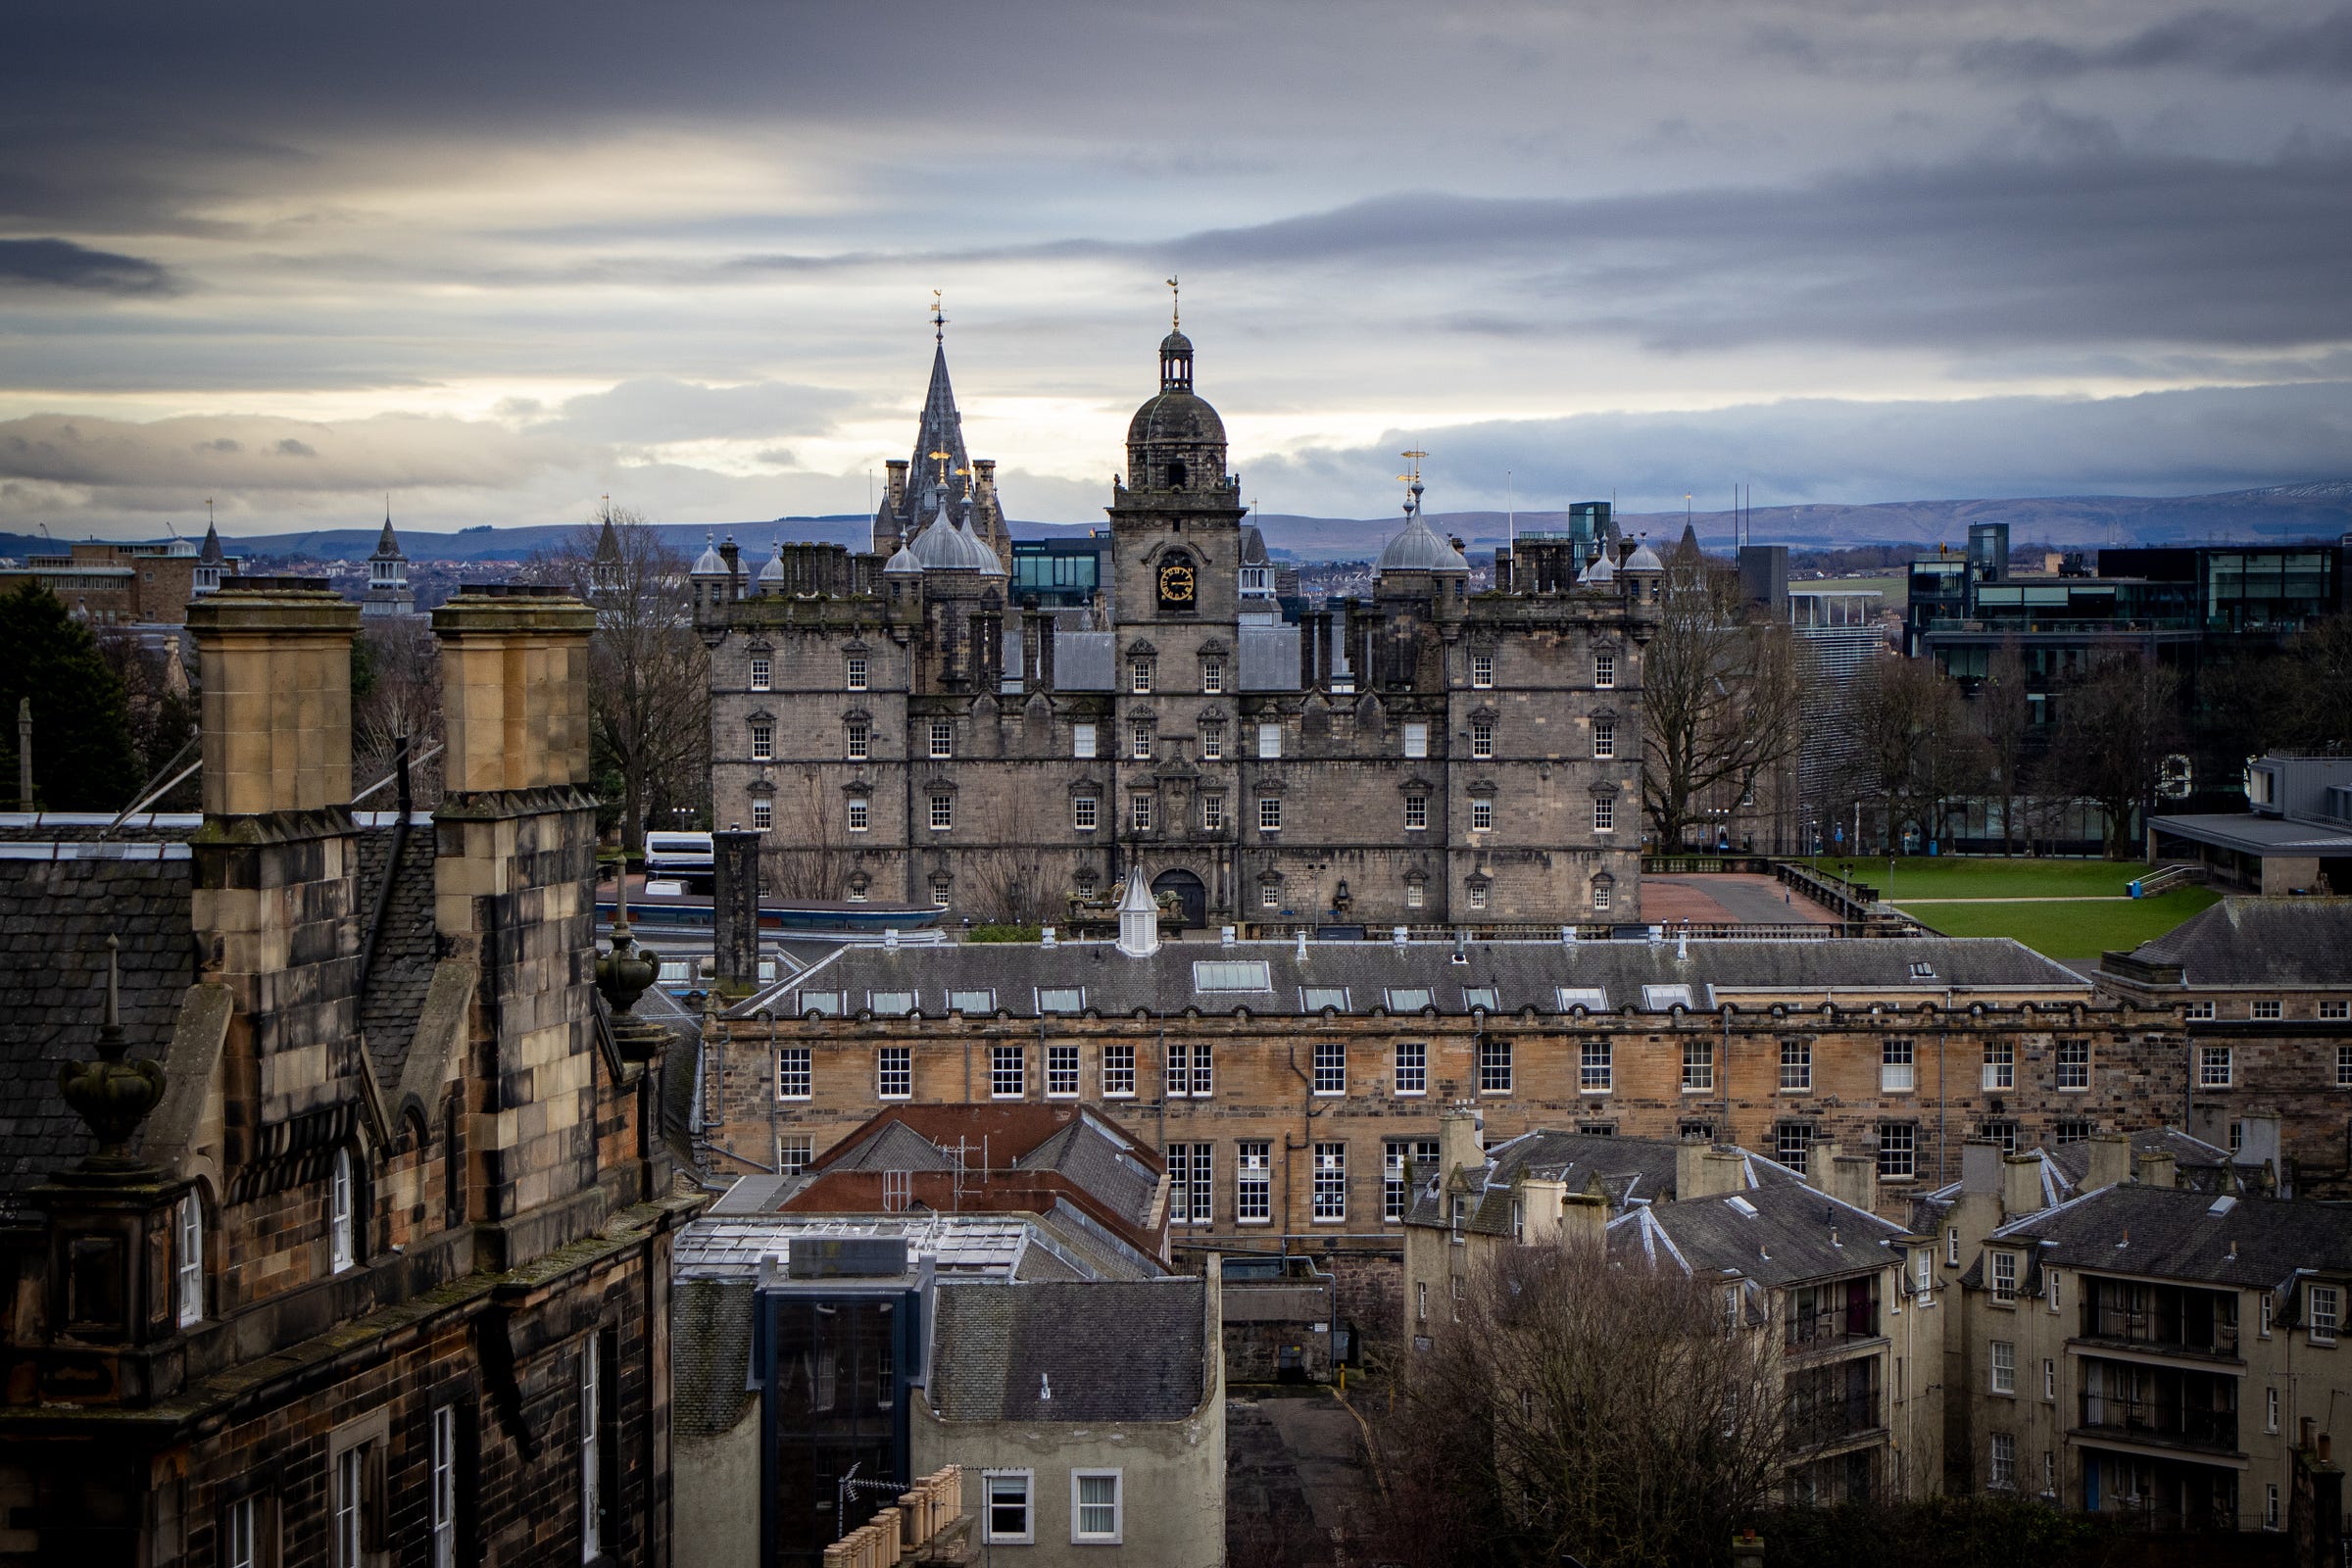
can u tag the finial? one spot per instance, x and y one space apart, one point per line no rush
110 1095
941 457
1175 305
939 323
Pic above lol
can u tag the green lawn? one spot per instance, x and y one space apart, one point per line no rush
1991 877
2080 929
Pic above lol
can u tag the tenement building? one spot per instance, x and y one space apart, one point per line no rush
909 726
337 1214
1293 1085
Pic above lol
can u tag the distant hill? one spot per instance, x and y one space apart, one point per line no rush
2278 514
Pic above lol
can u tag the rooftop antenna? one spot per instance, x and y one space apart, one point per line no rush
939 324
1175 305
1511 502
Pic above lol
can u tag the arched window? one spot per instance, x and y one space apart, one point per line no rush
187 1263
341 1248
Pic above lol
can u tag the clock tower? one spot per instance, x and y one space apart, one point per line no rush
1176 566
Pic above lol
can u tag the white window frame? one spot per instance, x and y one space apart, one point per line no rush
1086 812
1329 1186
859 813
1270 742
1604 813
1482 739
1482 814
2002 1272
763 743
2071 1063
763 813
2337 1010
1027 1535
1080 1535
760 671
2002 1476
1140 672
1061 1072
2313 1317
1797 1068
1212 676
1699 1067
1269 895
1212 811
342 1227
1141 810
894 1065
187 1257
2000 1064
1476 893
1411 1070
2217 1066
1898 1145
347 1508
2269 1011
241 1546
1416 737
1212 740
1118 1072
1495 1067
1604 738
942 816
1082 742
943 739
796 1072
1140 740
1416 812
1253 1182
1605 670
2269 1408
2200 1010
1008 1072
853 674
2049 1380
1898 1077
1331 1067
1595 1067
1923 1272
858 740
2002 1367
442 1487
1482 671
1269 814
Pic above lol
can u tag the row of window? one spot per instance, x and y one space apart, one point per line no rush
2271 1010
1143 671
1193 1180
1143 813
1098 1507
1190 1070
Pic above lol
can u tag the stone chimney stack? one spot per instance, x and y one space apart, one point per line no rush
275 907
2156 1170
2110 1160
275 654
517 840
735 907
1458 1140
1850 1177
1701 1170
2021 1185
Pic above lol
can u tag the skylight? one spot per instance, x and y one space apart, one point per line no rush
1657 999
1231 974
1741 1205
1479 997
1061 999
889 1004
827 1003
1593 998
1407 999
972 1002
1314 998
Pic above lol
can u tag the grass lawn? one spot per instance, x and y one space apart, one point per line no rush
1946 876
2071 930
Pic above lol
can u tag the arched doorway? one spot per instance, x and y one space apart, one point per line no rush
1190 894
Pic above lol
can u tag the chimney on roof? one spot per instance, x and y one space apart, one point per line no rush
2110 1161
274 655
1850 1177
1701 1170
1980 1168
1457 1142
2157 1170
2021 1184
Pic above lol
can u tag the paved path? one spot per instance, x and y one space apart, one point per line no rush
2050 897
1298 1486
1739 897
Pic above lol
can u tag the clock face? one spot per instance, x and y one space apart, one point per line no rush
1176 583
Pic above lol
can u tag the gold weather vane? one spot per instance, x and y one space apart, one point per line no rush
941 457
939 324
1175 305
1411 478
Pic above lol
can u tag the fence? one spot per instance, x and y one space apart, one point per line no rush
918 1528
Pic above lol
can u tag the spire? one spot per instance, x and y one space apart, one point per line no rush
387 543
939 454
1139 918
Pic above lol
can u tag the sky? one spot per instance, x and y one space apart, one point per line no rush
497 262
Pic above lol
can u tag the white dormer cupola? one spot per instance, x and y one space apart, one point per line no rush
1139 918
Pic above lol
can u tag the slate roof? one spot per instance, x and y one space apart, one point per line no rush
2167 1233
1630 1170
1081 1152
2289 942
404 948
1104 1349
711 1357
1523 974
1779 1233
55 916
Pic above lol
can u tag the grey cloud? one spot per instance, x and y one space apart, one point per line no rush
2228 43
291 448
199 453
1820 450
648 410
220 444
62 264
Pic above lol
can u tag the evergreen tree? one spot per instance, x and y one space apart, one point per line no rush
82 758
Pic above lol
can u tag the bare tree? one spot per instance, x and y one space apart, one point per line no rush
649 673
1606 1412
401 695
2004 711
1916 749
2315 702
1005 876
2116 726
1722 696
159 707
806 856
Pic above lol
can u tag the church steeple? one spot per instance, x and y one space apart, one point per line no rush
1175 350
941 471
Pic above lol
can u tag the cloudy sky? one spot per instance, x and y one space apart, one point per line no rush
498 260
